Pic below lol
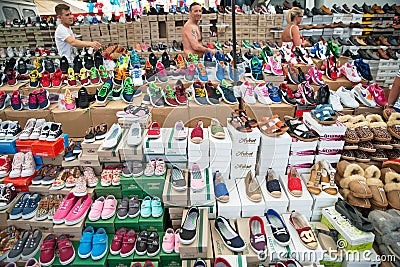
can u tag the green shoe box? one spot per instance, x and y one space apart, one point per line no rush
127 223
170 259
132 186
153 185
117 260
152 224
155 263
108 224
142 259
108 190
78 262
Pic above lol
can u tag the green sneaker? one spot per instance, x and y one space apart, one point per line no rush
117 91
193 58
129 91
94 76
218 46
156 95
104 91
103 73
247 44
265 53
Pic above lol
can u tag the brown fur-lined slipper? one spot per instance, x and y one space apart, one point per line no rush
355 201
387 112
350 135
370 171
357 185
373 176
378 128
392 187
394 125
345 119
347 155
379 155
393 164
346 169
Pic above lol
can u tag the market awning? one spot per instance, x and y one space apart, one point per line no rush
46 7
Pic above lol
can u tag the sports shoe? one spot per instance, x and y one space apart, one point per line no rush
213 95
156 95
104 91
350 72
347 98
120 74
69 102
28 167
33 103
307 92
315 75
199 93
247 92
180 93
150 73
189 75
319 50
17 164
363 69
226 90
220 73
169 96
34 79
246 44
128 91
302 55
94 76
71 78
137 75
43 98
334 100
363 95
16 102
5 100
331 69
378 94
161 72
208 60
261 92
57 79
103 73
256 69
30 124
202 72
273 92
274 65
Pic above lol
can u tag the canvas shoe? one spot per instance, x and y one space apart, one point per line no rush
261 92
187 232
17 165
150 168
47 250
96 209
80 188
177 179
134 136
30 124
180 132
198 182
106 177
154 130
5 167
334 100
79 211
196 136
168 244
169 96
160 168
109 208
363 95
347 98
17 210
228 235
247 92
86 243
112 136
28 167
67 203
350 72
145 207
199 93
128 243
116 177
100 244
156 207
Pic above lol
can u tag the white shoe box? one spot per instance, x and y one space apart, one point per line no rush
275 251
276 141
249 208
221 166
301 253
278 171
239 169
279 204
330 144
333 130
203 163
244 141
322 200
206 196
173 146
330 158
231 209
302 204
300 146
220 147
297 160
154 145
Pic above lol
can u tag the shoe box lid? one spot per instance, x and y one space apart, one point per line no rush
20 183
129 152
276 142
154 145
333 130
8 146
24 145
244 140
48 149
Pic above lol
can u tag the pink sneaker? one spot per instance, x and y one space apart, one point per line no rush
160 168
63 210
79 211
80 188
92 180
96 209
378 94
150 167
350 72
116 177
197 182
179 130
316 75
28 167
168 244
275 65
145 48
110 206
176 248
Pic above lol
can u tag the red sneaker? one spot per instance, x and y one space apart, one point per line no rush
211 46
11 77
169 97
116 243
180 93
154 130
332 71
66 250
294 183
45 79
128 244
5 165
57 78
197 133
48 249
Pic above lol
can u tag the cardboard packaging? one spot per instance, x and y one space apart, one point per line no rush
277 142
279 204
153 185
129 152
108 224
152 224
206 196
198 249
300 146
91 148
48 149
249 208
110 155
190 263
154 146
239 170
220 249
302 204
231 209
172 145
355 239
75 231
171 197
24 145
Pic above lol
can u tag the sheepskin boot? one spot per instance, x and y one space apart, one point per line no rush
362 128
384 222
393 125
373 176
351 176
392 242
355 201
392 187
378 128
350 135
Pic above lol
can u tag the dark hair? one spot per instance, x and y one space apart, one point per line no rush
60 7
192 5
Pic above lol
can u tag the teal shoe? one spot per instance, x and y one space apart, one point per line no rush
156 208
145 208
85 246
100 244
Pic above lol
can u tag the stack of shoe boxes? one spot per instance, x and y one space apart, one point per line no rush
199 153
111 154
274 152
302 155
220 153
89 155
244 151
232 208
175 150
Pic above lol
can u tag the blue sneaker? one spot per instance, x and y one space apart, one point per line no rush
257 45
137 75
78 148
256 69
16 212
238 72
95 21
220 73
145 208
226 90
220 56
221 192
202 73
363 69
273 92
85 246
208 60
69 155
156 207
134 58
199 93
100 244
31 206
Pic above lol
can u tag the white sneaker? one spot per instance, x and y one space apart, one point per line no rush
30 124
28 167
248 93
350 72
16 166
10 51
112 136
4 129
262 94
334 100
37 129
134 136
363 95
347 98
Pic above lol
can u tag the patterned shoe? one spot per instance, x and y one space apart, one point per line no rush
106 177
43 208
92 180
59 183
116 177
160 168
80 189
150 168
54 203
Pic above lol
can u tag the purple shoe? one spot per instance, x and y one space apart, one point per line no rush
258 240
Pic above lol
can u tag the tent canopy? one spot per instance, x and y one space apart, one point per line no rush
46 7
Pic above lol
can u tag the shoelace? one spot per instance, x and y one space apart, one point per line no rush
259 238
15 100
68 99
136 74
129 89
170 94
196 174
274 92
249 91
200 92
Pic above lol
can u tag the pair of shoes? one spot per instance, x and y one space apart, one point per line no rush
38 99
111 176
147 263
9 129
26 207
47 207
128 207
155 167
123 242
72 209
66 178
171 241
49 246
132 169
94 133
72 151
50 131
23 165
26 247
146 243
103 208
322 172
151 207
93 243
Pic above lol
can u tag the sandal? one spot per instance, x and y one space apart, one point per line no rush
394 125
237 123
378 128
328 180
243 116
299 130
272 126
324 114
314 183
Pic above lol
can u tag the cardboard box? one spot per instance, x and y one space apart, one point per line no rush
129 152
117 260
108 224
75 231
152 224
171 259
167 116
355 239
8 146
244 141
91 148
236 260
326 131
23 115
48 149
110 155
173 146
300 146
279 204
134 184
198 249
68 119
303 203
205 197
171 197
249 208
108 190
220 249
24 145
231 209
154 145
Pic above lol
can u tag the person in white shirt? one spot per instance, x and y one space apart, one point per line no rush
65 40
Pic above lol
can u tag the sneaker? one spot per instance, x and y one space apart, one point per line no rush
168 244
5 168
302 55
202 72
189 75
275 65
307 93
273 92
169 96
246 44
261 93
160 168
378 93
71 78
30 124
208 60
68 102
150 73
5 100
128 91
55 132
247 92
220 73
37 129
213 95
43 98
34 79
16 167
363 69
256 69
291 73
28 167
346 98
226 90
137 75
161 72
45 80
104 91
11 77
156 95
180 93
199 93
350 72
363 95
13 130
16 102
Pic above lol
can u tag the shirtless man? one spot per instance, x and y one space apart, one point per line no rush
191 36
